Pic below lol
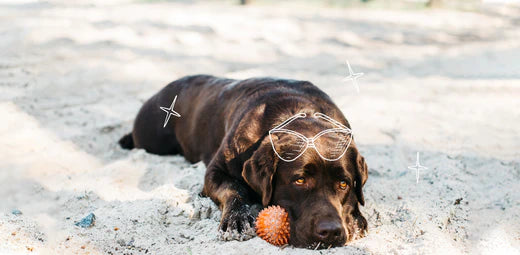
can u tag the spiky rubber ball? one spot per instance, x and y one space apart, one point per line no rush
272 225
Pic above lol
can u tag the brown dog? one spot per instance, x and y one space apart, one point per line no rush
225 123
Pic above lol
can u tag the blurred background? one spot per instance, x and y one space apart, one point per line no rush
441 77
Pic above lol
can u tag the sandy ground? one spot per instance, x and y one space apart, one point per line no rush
73 75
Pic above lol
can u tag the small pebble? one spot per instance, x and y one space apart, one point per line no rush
86 222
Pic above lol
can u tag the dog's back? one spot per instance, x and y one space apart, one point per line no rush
209 107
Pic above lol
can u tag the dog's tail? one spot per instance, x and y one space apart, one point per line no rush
127 142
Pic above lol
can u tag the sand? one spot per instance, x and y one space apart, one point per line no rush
73 75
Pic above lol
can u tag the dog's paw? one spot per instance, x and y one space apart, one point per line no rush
238 222
360 227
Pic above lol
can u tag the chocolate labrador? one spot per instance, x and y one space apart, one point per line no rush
226 123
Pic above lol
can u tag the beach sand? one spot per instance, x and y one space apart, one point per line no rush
73 75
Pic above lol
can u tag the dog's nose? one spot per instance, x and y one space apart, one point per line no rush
329 231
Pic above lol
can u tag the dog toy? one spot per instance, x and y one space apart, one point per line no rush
272 225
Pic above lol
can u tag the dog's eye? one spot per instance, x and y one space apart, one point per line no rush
300 181
343 185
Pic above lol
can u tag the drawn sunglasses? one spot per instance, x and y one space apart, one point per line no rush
330 144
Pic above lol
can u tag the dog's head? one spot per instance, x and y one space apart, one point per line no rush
322 197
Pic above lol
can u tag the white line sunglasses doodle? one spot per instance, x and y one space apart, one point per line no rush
298 143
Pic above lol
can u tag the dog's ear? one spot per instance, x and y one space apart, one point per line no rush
259 170
361 177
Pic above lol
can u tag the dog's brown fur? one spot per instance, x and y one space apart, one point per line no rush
225 124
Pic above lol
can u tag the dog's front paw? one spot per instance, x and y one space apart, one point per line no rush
238 222
360 227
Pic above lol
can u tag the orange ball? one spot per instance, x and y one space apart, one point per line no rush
272 225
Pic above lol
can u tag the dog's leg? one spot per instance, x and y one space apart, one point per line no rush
235 199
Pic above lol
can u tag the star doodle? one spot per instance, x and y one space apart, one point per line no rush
352 76
417 167
170 112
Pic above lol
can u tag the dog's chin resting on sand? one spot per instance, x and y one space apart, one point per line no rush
225 123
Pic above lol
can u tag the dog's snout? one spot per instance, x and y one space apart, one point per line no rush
329 232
